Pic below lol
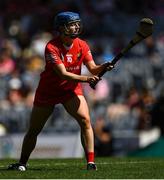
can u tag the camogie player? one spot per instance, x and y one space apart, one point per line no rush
60 82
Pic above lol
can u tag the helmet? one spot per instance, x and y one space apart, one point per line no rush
63 21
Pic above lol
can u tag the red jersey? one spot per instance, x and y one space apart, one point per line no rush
52 89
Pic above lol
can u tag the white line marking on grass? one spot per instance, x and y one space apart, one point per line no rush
126 162
100 163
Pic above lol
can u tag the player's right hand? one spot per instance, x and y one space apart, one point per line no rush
92 80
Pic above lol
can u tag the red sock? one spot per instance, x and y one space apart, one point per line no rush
90 157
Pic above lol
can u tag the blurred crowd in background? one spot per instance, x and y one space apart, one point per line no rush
130 97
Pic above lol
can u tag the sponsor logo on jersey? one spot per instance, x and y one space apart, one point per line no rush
73 68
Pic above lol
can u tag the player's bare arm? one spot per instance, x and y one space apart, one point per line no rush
96 69
64 74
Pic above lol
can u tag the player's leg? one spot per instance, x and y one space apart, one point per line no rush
38 119
83 142
78 108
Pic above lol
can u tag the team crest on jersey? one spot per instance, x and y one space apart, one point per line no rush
79 56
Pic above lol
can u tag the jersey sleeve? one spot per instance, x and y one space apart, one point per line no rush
52 55
87 53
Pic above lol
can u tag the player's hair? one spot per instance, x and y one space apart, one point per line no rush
63 19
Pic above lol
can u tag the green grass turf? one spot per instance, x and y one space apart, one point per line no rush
108 168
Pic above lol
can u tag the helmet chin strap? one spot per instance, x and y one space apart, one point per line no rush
71 36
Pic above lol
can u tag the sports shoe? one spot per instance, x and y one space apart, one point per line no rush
91 166
17 166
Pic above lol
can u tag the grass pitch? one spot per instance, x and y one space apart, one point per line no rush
108 168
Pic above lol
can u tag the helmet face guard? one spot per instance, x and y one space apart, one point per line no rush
73 29
69 24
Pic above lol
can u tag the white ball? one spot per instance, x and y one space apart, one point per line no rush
22 168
